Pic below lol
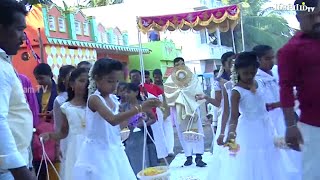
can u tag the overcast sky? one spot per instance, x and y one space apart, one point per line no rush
170 6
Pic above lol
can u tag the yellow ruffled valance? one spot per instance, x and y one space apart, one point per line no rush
222 18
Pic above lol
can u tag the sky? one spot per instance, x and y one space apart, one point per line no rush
163 8
289 16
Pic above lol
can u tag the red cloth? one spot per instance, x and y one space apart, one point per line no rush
152 89
49 146
299 65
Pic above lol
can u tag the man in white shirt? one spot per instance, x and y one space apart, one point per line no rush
15 115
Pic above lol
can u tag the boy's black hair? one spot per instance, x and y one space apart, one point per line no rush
226 56
135 88
246 59
64 71
106 66
261 50
43 69
83 63
177 59
74 75
135 71
8 9
308 3
157 72
147 73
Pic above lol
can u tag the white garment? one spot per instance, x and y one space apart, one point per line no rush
190 148
213 110
16 120
217 114
158 133
159 136
275 73
162 133
271 94
60 99
76 120
310 152
102 154
169 133
57 113
6 176
258 158
217 148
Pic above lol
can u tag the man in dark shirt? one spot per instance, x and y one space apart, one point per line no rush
299 66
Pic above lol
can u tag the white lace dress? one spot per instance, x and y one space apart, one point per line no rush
258 158
102 154
76 120
271 95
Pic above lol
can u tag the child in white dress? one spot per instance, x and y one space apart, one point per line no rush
258 158
72 120
271 88
102 154
63 81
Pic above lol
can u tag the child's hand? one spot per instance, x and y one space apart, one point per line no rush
220 140
149 104
58 154
45 136
270 106
199 97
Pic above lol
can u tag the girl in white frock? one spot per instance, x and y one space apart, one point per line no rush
102 154
222 161
258 158
72 120
272 97
63 81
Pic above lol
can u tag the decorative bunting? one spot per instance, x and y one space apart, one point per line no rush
223 18
29 47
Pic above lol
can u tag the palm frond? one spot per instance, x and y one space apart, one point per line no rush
273 24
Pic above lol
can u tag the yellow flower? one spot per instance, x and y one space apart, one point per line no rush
152 171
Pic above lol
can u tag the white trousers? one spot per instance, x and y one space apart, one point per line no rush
189 148
310 152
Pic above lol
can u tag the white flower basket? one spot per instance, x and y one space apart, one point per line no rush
124 134
191 136
280 142
163 176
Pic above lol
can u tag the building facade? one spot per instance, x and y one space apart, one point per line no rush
60 37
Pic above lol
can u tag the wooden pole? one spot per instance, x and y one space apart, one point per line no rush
41 46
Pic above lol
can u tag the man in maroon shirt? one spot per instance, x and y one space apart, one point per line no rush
299 66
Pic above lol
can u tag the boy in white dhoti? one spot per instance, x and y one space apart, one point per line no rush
167 122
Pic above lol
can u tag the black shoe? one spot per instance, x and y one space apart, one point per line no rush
189 161
199 161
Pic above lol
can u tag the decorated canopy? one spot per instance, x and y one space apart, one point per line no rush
223 18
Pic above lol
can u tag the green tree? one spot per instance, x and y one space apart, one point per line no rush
97 3
260 26
32 2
